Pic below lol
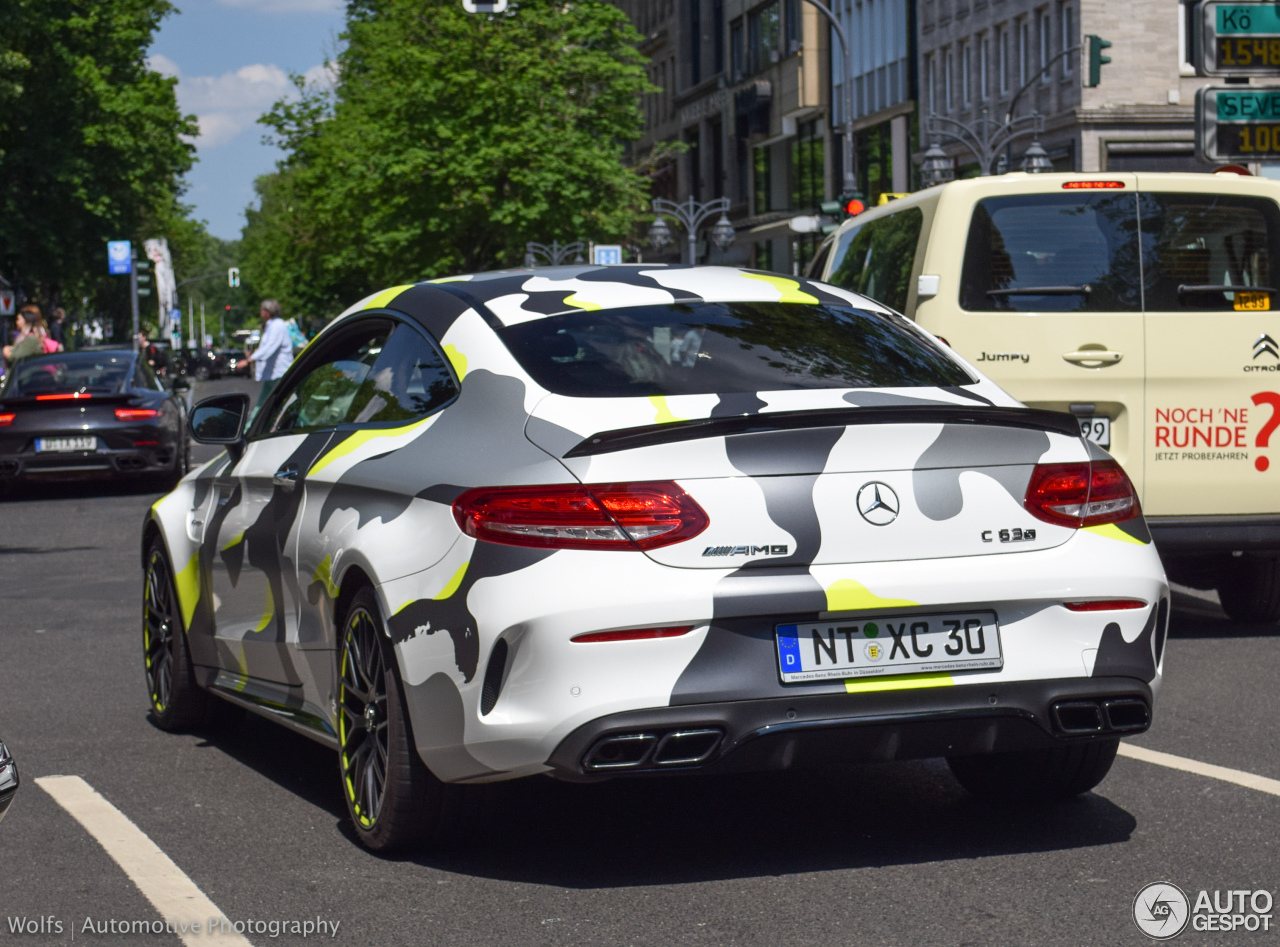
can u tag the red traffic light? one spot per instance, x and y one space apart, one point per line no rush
228 309
853 207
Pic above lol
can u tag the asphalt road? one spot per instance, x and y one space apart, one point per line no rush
888 854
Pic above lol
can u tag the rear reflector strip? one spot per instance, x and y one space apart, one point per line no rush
69 396
633 634
1092 185
135 414
1105 605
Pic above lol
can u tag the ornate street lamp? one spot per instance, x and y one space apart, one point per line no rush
937 167
1036 160
555 255
691 216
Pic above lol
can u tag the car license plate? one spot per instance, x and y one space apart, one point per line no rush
1251 302
1096 429
66 443
816 651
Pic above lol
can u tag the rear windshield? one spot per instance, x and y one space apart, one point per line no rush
75 371
1053 253
713 348
1201 249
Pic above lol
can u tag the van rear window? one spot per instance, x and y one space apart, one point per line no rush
1075 252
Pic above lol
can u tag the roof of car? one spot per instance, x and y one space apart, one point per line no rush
510 297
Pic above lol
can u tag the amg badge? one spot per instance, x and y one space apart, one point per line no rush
745 551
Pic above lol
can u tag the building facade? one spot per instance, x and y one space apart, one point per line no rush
975 55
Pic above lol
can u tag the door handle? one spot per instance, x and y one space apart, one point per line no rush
1093 358
286 476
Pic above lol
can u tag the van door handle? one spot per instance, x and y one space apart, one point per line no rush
286 476
1093 358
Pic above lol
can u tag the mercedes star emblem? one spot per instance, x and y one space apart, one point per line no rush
877 503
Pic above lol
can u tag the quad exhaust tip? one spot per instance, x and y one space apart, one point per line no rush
1117 715
635 751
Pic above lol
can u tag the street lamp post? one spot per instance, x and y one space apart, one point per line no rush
985 139
691 215
846 72
555 255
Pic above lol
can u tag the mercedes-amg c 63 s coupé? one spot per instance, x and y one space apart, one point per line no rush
600 521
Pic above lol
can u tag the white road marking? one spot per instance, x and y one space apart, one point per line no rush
165 885
1237 776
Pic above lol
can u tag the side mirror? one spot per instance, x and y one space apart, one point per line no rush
221 420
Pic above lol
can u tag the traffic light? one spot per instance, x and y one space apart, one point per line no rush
846 204
233 277
1095 45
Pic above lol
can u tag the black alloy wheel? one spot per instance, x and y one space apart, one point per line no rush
394 801
177 702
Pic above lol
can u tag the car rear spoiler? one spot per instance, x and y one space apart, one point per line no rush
627 438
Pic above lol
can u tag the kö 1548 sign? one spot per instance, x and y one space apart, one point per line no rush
1238 123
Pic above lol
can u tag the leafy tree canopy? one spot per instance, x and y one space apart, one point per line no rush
448 141
92 146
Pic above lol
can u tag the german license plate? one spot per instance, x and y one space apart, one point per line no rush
1096 429
66 443
1251 302
908 644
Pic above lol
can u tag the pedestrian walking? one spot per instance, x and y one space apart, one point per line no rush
274 353
57 327
31 336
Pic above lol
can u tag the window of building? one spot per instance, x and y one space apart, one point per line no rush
931 81
695 42
966 74
948 70
737 53
1045 47
1188 23
1068 36
1003 54
806 166
764 179
795 28
717 34
984 67
764 36
1024 51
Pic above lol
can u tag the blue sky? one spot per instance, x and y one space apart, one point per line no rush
233 59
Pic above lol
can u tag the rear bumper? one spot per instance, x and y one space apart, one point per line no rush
1200 535
825 730
87 463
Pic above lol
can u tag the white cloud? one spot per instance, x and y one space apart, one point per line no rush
286 6
229 104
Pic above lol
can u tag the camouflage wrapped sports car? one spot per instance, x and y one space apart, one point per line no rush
594 521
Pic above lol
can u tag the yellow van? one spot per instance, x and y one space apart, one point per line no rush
1148 305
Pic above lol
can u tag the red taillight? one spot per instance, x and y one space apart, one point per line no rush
1092 185
576 516
633 634
1105 605
7 419
69 396
1085 494
135 414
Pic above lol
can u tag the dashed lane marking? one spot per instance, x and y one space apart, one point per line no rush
164 884
1237 776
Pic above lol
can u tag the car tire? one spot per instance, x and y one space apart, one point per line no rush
177 701
1250 590
394 801
202 373
1036 776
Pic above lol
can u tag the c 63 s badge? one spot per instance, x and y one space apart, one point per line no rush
1014 535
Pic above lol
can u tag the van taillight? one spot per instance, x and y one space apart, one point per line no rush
1092 185
1084 494
581 516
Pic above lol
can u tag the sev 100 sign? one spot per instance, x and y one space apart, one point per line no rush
1238 124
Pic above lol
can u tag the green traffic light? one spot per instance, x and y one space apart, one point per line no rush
1096 44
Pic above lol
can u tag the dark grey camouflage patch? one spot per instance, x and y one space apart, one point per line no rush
1120 658
1005 454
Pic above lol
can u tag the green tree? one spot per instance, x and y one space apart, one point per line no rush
92 146
448 142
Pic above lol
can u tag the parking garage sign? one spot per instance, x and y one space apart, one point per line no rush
1238 39
1238 123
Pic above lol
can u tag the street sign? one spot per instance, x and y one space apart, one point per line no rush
119 257
480 6
605 254
1237 123
6 302
1238 39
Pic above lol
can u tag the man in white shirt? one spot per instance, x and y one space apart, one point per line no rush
274 352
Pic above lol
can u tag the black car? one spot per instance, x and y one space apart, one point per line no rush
90 413
8 780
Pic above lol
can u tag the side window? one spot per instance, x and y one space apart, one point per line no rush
1202 251
408 380
819 261
332 381
876 258
1053 253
